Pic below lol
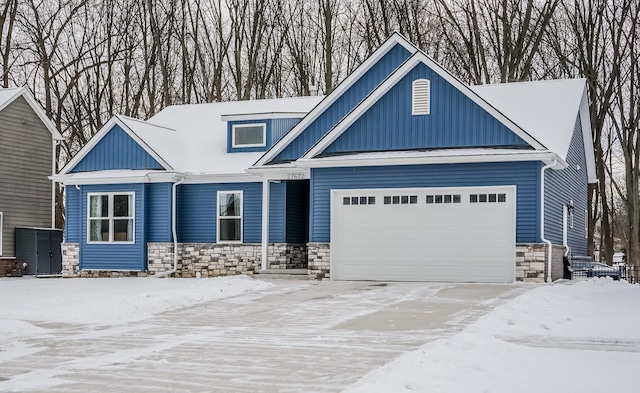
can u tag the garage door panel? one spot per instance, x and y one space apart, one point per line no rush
419 241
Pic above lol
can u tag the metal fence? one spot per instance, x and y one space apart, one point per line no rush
587 269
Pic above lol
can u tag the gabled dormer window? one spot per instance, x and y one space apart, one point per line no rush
249 135
421 97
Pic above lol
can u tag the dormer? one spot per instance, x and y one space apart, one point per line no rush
256 132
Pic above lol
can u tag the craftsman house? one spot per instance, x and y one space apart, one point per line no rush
27 150
402 173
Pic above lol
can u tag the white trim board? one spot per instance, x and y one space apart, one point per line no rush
334 95
392 80
585 122
115 120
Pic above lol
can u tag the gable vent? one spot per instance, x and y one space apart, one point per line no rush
421 97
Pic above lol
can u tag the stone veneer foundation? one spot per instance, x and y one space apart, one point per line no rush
531 262
212 260
208 259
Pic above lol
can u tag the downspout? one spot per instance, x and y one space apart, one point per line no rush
544 240
173 231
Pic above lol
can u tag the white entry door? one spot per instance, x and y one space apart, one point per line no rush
464 234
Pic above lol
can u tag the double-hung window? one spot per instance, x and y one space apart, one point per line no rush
230 216
111 218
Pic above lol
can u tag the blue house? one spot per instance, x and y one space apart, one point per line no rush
402 173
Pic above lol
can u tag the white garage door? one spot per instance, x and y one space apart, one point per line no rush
424 234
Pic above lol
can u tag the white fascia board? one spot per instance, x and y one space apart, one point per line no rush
97 137
587 137
119 178
346 161
334 95
392 80
22 91
264 116
287 171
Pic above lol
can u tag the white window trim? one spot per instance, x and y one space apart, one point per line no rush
218 217
413 97
110 217
1 230
233 135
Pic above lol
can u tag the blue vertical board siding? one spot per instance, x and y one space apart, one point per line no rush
344 104
279 127
563 186
115 256
454 121
524 175
72 214
158 212
297 226
116 150
197 211
277 203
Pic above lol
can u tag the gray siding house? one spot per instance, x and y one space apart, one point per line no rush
27 142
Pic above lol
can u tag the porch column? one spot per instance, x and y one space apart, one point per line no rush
265 221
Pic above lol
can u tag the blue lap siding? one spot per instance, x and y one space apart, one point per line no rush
116 150
524 175
454 121
563 186
344 104
158 212
104 256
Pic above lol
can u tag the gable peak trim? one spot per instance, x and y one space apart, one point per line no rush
37 108
391 42
418 58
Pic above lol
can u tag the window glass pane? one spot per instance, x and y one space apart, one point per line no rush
387 200
456 198
363 200
346 201
502 197
438 198
482 197
122 205
230 229
354 200
492 197
429 198
413 199
372 200
396 200
229 205
123 230
99 206
249 135
99 230
447 199
405 199
473 198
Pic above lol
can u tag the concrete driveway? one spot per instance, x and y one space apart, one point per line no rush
297 336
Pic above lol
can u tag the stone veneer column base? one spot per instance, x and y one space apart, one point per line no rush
532 264
319 255
70 259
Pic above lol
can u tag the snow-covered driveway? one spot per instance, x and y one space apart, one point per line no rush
292 336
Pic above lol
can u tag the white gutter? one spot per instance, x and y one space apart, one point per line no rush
173 231
544 240
265 223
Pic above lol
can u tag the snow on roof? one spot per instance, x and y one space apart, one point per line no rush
8 95
546 110
193 138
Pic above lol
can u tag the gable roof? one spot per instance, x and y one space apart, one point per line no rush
395 39
7 96
393 79
192 138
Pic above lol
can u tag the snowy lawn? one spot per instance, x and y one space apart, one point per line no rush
105 301
569 337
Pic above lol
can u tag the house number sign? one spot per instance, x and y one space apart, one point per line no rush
295 176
